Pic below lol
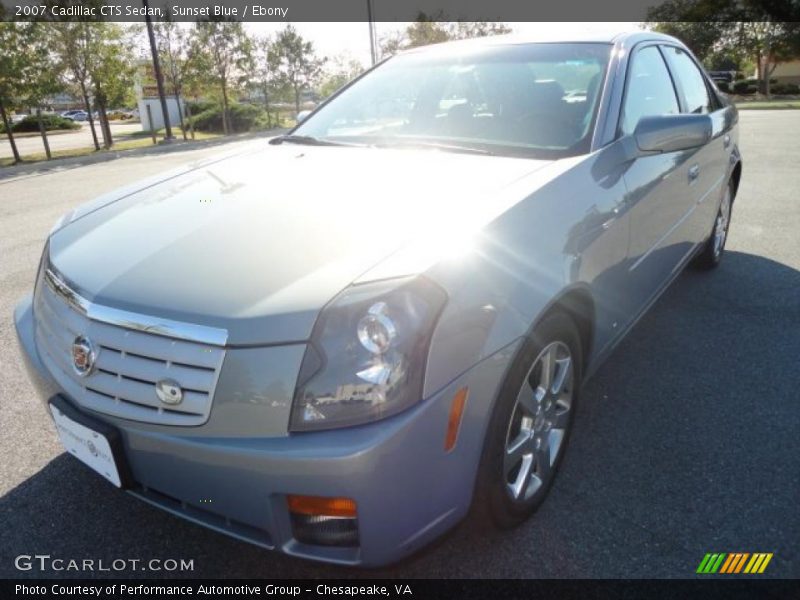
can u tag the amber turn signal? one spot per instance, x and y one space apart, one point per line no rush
454 420
321 506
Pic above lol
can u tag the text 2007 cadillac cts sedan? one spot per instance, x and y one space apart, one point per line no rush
340 344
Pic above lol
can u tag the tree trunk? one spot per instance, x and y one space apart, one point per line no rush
101 109
10 135
43 131
180 112
770 71
89 115
266 106
767 70
189 119
225 123
296 100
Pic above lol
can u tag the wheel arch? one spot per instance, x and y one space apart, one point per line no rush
736 177
577 302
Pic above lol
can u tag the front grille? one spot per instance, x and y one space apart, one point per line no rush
128 364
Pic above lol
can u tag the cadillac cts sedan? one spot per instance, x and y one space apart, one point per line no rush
341 343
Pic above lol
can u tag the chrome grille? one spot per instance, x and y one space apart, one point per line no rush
130 358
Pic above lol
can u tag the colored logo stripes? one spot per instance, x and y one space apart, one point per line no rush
735 562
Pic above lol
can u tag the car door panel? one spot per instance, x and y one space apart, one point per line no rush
660 198
696 96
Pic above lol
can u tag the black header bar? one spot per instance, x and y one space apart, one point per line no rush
399 10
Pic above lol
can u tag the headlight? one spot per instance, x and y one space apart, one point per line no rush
367 354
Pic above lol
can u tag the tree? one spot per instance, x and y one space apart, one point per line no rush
42 77
73 43
759 29
391 43
434 30
224 48
423 32
340 71
111 70
15 40
264 67
173 44
299 65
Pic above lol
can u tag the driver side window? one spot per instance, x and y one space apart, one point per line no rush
649 90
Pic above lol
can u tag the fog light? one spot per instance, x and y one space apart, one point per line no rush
325 531
324 521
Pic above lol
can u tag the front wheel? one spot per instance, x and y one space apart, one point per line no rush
531 423
711 254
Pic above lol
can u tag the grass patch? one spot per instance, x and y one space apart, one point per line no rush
769 105
123 142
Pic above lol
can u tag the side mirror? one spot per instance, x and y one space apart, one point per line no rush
671 133
302 115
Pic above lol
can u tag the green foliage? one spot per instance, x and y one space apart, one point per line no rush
703 39
266 83
243 117
220 52
786 89
745 88
340 71
201 106
298 66
51 122
758 30
112 68
434 29
23 64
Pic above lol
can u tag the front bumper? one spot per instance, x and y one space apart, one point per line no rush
408 490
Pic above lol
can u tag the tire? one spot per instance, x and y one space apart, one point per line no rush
529 425
713 249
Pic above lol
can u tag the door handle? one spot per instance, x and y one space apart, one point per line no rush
694 171
726 141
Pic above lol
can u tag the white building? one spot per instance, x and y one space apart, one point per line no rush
147 97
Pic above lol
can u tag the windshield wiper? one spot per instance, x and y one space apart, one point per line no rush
306 140
432 146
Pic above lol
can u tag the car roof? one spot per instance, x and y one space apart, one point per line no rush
624 37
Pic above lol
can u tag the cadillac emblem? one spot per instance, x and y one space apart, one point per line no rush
169 391
83 356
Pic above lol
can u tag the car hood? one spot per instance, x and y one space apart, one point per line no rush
258 243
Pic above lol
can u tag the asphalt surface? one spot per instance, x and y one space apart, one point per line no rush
686 440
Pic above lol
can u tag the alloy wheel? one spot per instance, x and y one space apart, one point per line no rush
538 423
721 224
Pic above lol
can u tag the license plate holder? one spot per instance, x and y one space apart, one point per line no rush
93 442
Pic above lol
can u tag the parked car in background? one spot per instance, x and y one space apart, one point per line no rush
75 115
723 76
342 363
119 114
17 117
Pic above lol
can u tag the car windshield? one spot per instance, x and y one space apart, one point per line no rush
536 100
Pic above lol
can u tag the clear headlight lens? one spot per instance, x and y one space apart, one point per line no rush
367 354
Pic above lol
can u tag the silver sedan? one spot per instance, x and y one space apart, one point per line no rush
340 345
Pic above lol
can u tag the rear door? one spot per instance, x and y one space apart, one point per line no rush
709 165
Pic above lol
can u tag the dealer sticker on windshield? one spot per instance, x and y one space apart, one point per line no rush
88 446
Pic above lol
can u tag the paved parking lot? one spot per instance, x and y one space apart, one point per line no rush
686 441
